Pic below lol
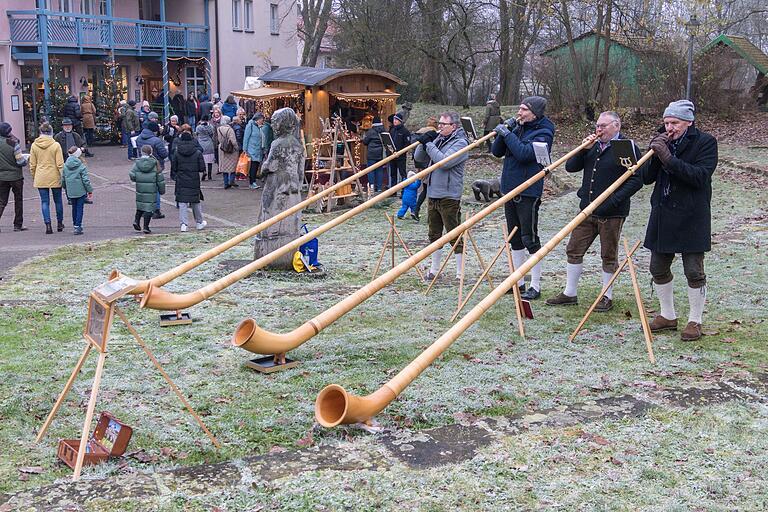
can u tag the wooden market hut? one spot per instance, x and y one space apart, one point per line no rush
317 93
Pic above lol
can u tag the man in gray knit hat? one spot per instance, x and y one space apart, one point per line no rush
680 222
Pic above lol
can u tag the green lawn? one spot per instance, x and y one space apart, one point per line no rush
661 465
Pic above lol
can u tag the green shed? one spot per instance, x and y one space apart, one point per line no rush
748 69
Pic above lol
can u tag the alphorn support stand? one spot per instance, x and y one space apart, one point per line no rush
177 318
515 288
390 242
487 270
101 310
467 237
627 262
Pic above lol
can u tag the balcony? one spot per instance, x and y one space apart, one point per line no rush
86 34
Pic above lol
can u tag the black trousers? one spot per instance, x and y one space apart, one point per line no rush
17 187
253 171
523 212
146 215
396 167
422 195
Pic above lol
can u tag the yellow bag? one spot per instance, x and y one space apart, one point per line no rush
300 265
243 164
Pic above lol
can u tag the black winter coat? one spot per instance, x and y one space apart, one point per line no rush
72 111
401 137
681 219
186 166
600 171
372 139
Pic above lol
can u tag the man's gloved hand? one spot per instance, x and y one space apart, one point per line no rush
501 130
427 137
659 146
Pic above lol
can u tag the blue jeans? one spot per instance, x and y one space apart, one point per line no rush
157 201
229 178
376 176
77 210
191 121
45 203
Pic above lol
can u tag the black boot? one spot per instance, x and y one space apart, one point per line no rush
158 215
60 227
48 228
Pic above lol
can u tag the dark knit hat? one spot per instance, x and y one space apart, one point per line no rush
376 120
535 104
398 117
153 127
681 109
132 103
5 129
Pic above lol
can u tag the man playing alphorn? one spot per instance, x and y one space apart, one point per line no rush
680 223
601 170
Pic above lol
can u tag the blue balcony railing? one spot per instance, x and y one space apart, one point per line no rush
102 32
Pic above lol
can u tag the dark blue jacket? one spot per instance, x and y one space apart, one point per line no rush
519 158
148 137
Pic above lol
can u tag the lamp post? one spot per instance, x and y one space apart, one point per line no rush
692 25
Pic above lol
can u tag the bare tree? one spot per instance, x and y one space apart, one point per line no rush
315 15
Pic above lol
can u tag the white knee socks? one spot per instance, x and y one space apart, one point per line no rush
459 258
607 277
536 276
518 258
696 299
437 257
666 299
573 273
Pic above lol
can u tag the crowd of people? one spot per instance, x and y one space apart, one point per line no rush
223 137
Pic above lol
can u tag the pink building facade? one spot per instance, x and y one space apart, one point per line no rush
134 49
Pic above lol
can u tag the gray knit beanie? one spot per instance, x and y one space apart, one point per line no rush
535 104
681 109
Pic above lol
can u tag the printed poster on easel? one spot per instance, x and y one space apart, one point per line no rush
99 321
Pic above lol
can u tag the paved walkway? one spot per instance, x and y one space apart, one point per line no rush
111 215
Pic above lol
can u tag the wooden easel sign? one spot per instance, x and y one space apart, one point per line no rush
99 321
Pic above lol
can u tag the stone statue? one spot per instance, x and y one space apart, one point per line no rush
283 172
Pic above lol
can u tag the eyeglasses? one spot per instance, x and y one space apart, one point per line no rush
445 124
604 125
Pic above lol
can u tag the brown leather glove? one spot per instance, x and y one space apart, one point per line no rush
659 146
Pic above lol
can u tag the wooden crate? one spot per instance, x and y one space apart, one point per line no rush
110 439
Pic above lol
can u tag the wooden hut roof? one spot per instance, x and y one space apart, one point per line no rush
308 76
743 47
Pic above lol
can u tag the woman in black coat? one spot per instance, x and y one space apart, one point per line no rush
187 165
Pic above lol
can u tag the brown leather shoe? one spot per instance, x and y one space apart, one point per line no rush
691 332
562 299
605 304
662 324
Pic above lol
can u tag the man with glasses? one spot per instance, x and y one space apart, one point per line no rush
600 171
446 183
514 141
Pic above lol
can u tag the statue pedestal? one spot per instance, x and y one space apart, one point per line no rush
264 246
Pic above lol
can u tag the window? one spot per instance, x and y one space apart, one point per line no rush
236 25
274 21
103 7
65 5
86 7
248 71
195 80
248 15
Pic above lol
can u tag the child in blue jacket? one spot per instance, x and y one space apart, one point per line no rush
410 195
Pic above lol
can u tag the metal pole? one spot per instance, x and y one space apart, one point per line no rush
166 110
42 25
690 67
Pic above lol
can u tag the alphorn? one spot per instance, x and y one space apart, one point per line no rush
253 338
169 275
335 405
157 298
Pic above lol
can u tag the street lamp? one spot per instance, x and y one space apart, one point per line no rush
692 26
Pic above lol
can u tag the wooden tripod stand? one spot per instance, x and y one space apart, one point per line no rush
638 299
101 310
390 242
